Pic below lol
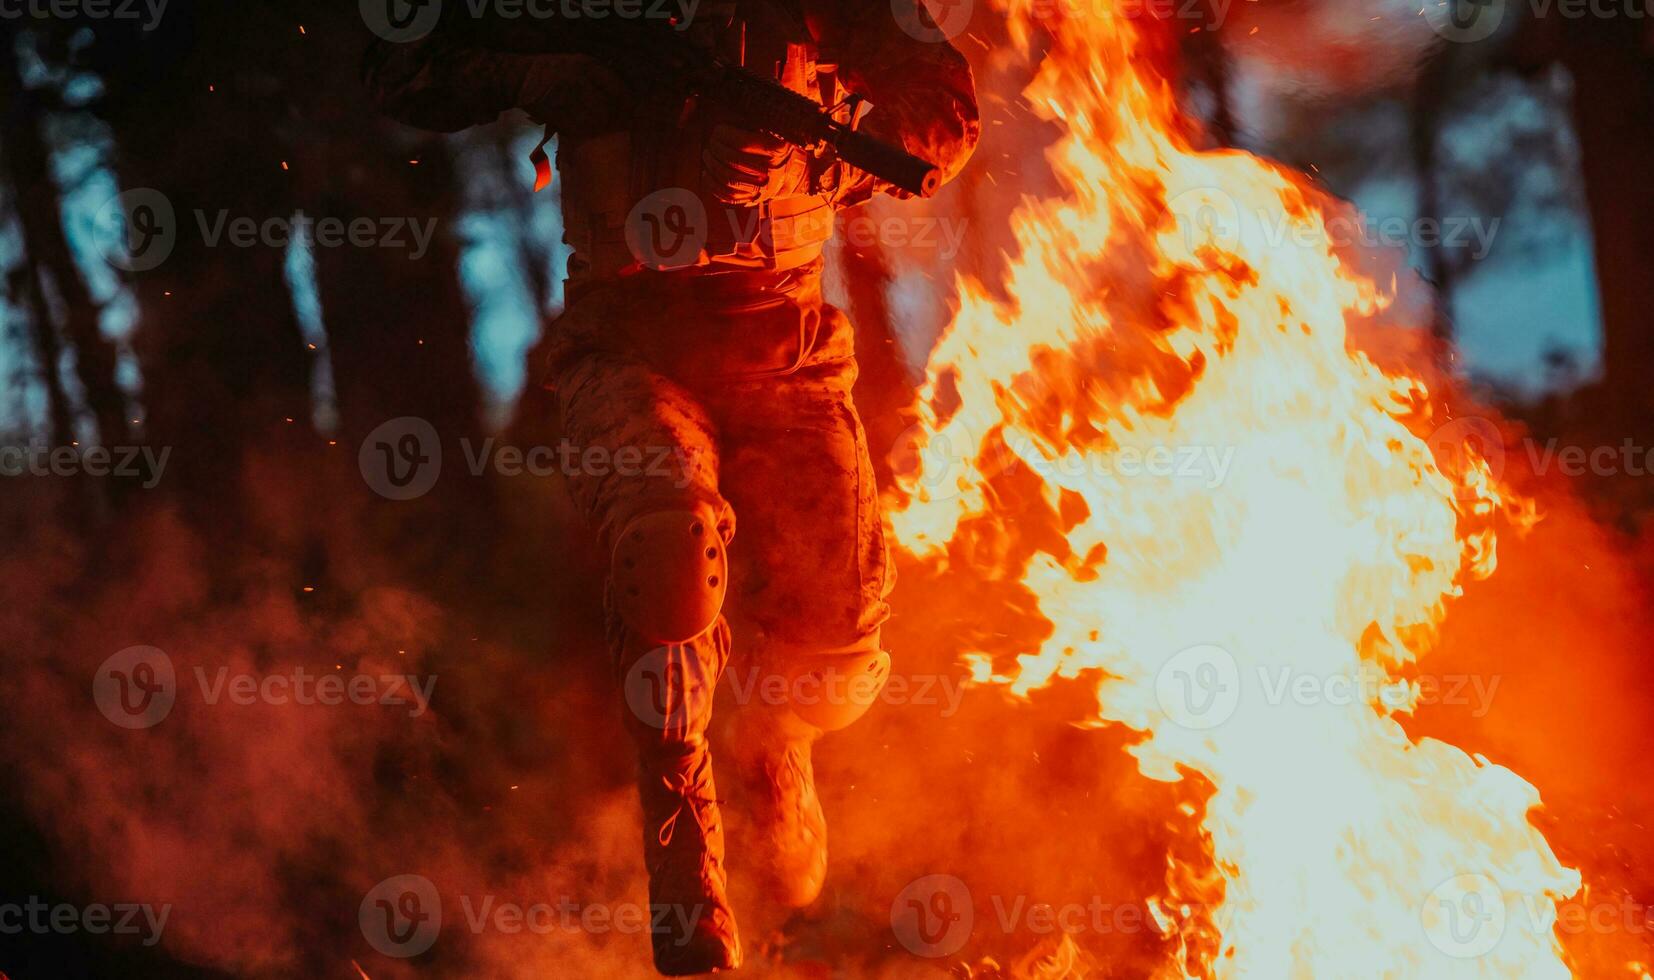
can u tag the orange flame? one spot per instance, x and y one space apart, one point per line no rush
1230 515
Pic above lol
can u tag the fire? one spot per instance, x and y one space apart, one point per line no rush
1159 429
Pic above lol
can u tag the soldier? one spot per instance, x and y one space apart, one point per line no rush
695 323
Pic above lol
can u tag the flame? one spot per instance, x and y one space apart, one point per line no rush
1158 427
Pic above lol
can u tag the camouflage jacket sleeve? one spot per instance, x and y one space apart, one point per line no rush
920 86
438 83
465 73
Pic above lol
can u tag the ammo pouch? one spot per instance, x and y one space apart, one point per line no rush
618 225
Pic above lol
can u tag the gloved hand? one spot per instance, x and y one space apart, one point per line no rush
747 168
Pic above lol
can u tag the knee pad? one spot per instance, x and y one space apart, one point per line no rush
669 574
832 689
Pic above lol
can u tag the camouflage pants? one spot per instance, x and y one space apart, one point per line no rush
736 396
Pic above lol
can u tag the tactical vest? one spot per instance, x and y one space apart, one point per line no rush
630 196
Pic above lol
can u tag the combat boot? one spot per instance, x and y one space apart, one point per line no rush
692 927
789 829
830 690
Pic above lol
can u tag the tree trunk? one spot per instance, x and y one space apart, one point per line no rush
397 320
53 274
1206 63
60 423
1613 103
1425 118
195 109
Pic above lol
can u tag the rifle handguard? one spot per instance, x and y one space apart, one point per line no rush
887 163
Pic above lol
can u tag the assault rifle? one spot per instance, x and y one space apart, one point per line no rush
758 102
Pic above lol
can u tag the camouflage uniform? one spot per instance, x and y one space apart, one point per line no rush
717 346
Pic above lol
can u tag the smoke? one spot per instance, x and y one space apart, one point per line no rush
263 826
1336 48
329 725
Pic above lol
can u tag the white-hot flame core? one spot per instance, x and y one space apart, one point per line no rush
1278 541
